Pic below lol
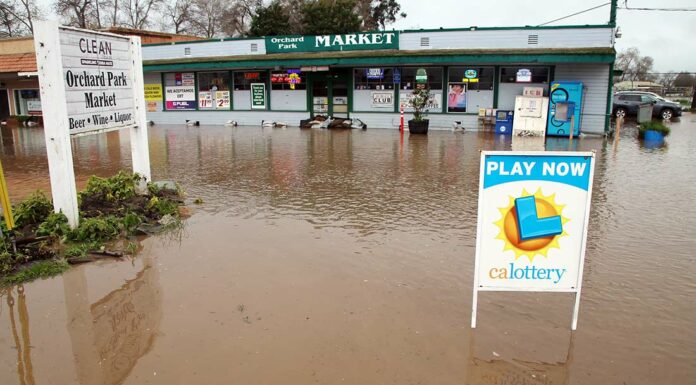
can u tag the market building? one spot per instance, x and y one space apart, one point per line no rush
369 75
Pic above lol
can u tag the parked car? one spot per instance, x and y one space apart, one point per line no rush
627 103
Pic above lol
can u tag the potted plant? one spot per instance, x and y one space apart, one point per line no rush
419 102
653 131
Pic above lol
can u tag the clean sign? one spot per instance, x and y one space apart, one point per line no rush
532 222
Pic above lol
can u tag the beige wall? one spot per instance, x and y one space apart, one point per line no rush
17 45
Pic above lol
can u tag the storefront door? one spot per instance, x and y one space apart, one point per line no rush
330 93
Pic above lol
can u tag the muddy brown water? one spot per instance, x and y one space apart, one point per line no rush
346 257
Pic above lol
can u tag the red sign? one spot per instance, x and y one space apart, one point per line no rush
252 75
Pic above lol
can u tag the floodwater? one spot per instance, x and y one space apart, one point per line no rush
346 257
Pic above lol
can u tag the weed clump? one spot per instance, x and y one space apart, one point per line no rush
110 208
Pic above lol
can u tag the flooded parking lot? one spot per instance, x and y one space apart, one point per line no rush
335 257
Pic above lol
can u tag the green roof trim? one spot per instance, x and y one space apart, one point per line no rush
389 57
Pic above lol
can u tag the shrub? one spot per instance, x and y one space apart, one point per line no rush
162 206
419 102
56 224
95 229
116 188
33 210
653 126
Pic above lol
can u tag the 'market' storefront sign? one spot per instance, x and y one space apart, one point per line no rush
346 42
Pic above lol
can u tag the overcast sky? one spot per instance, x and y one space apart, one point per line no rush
669 37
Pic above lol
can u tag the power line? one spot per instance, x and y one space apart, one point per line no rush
574 14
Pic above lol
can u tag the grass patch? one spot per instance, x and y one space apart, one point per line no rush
110 209
32 210
40 269
653 126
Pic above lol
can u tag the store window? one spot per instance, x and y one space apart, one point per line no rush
469 88
408 77
214 90
28 102
434 82
374 89
241 84
291 79
524 74
180 91
514 79
289 90
373 78
243 80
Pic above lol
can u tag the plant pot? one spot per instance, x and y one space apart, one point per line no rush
420 127
653 136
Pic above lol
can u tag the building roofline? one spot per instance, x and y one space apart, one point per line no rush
472 28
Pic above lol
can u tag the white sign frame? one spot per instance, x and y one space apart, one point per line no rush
49 60
578 287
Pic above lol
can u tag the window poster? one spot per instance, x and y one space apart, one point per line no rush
456 98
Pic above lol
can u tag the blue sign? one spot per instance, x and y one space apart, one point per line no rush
374 73
397 75
471 74
571 170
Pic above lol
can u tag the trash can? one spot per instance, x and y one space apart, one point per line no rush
645 112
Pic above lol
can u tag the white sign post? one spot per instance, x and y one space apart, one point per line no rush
532 223
91 82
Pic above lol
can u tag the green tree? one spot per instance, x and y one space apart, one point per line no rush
685 79
385 12
322 17
272 20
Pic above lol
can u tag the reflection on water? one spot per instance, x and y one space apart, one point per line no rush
498 371
110 335
21 338
353 253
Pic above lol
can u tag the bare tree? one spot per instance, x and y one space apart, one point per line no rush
207 17
10 24
634 66
177 14
238 16
76 13
667 79
17 16
137 12
111 12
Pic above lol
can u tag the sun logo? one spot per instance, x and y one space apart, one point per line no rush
509 226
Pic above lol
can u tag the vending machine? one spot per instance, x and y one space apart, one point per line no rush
530 116
564 109
503 122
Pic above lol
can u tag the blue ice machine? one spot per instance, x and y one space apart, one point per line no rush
565 105
503 122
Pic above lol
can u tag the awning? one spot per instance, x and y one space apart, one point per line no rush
389 57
